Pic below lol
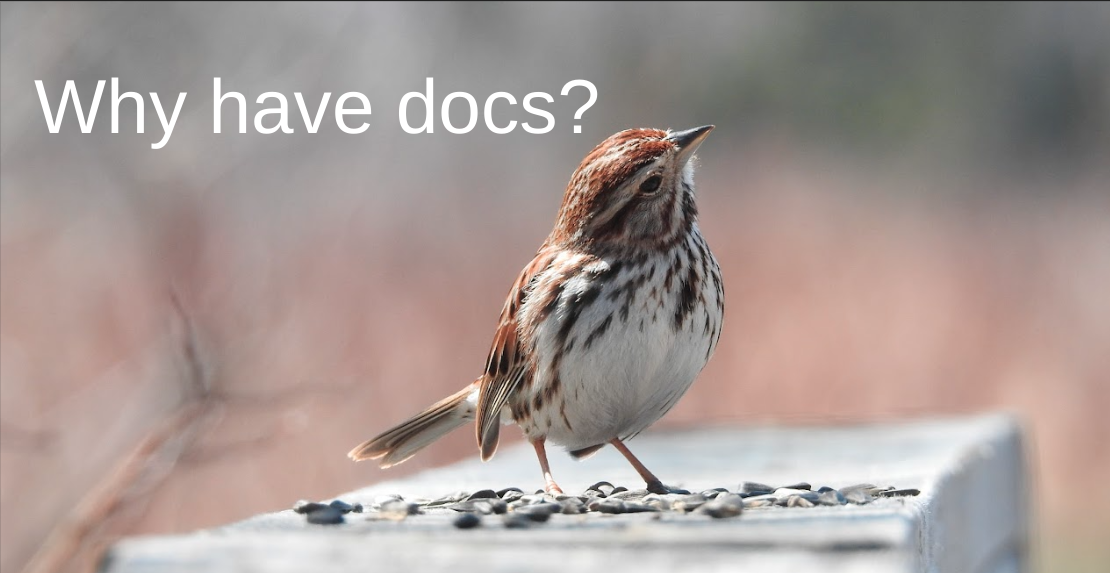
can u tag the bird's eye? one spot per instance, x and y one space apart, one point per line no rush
651 184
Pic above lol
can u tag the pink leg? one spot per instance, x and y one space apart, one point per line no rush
653 483
549 482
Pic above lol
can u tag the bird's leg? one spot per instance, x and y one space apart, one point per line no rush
653 483
549 484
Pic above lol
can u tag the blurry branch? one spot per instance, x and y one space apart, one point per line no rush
79 540
197 377
80 534
82 526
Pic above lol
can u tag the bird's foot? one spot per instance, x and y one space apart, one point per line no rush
659 488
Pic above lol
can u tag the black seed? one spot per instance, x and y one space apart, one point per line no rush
608 506
481 506
628 494
756 488
342 506
303 506
800 485
502 492
445 500
831 497
597 486
467 521
326 515
539 512
545 507
900 493
517 521
633 507
483 494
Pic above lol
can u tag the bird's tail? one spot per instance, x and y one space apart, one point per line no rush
402 441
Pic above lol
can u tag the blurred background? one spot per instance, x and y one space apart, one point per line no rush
910 204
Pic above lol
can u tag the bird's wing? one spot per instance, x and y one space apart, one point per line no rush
507 365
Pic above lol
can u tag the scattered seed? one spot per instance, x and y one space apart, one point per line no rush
755 488
760 501
725 505
344 506
608 506
481 506
326 515
398 509
688 502
597 486
517 521
831 497
540 512
467 521
857 496
633 507
797 501
900 493
303 506
629 494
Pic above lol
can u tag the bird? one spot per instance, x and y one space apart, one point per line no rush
608 325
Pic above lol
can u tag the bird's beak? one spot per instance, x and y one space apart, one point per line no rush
688 142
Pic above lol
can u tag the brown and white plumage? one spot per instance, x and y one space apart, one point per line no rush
607 326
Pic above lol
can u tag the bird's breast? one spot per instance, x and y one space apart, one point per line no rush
614 343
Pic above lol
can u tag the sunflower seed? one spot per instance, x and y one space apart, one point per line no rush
326 515
688 502
725 505
755 488
900 493
467 521
303 506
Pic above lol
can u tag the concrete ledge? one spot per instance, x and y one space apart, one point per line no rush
971 515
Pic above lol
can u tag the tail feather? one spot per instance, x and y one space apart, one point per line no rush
404 440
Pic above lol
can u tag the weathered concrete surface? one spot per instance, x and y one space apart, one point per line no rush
971 515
